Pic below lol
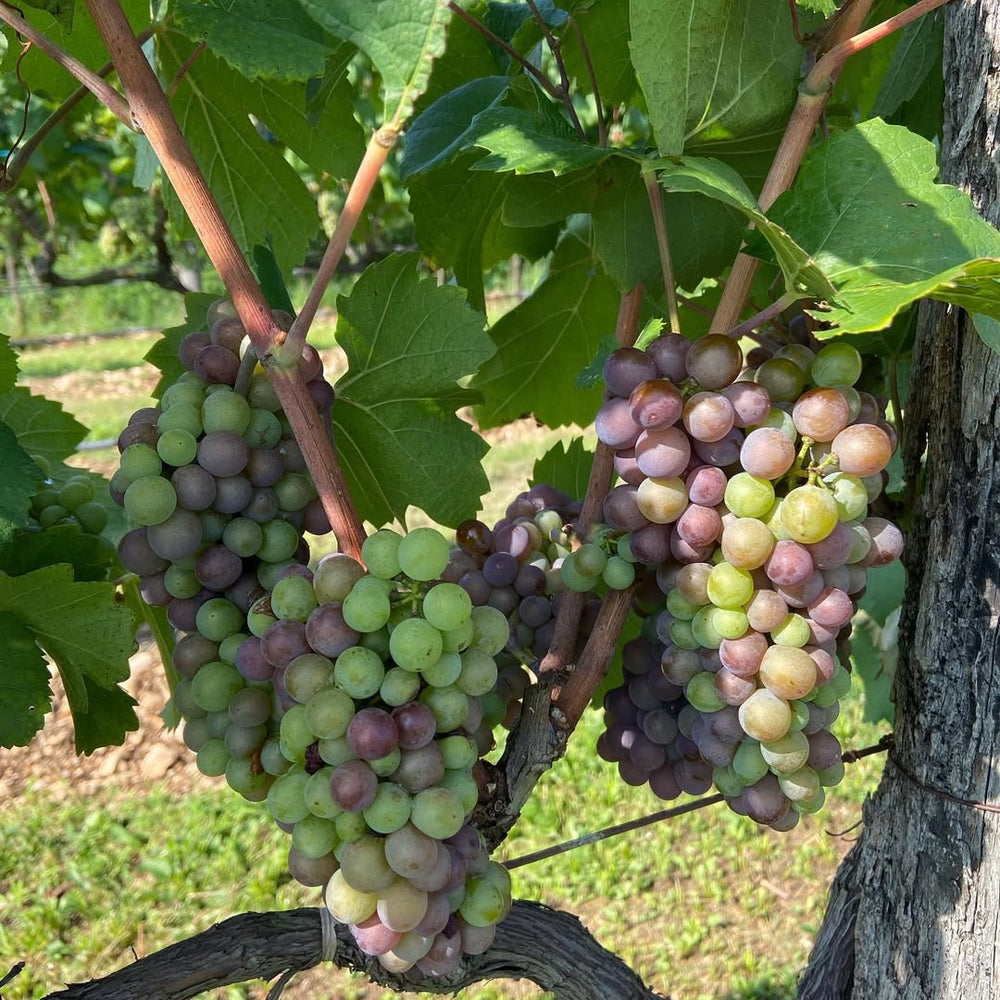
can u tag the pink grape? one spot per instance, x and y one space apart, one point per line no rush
862 449
767 453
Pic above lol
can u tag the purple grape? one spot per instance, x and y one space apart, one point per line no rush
625 368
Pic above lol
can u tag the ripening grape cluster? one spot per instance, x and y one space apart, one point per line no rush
217 485
518 567
748 490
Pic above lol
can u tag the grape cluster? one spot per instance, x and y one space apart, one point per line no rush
217 484
352 710
518 566
71 504
748 490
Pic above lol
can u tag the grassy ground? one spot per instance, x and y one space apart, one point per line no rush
704 906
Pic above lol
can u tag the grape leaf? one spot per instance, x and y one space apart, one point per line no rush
258 191
24 683
555 331
19 483
438 133
824 7
163 354
929 239
566 467
914 58
268 274
8 364
273 39
408 342
873 655
712 68
31 550
401 39
529 143
40 72
719 181
458 221
110 715
593 373
61 10
41 425
884 591
606 30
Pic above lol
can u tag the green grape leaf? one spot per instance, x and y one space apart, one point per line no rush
42 426
606 31
82 626
529 143
458 221
330 139
988 330
884 592
875 665
550 336
715 179
409 342
824 7
268 274
19 483
270 39
61 10
8 364
257 190
163 354
110 715
593 373
24 683
41 73
31 550
438 133
401 39
914 58
929 240
704 234
566 467
712 68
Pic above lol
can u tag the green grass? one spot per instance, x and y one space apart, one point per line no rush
705 905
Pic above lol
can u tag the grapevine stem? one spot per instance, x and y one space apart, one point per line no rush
152 111
555 48
798 133
376 152
766 314
543 81
23 154
602 125
663 247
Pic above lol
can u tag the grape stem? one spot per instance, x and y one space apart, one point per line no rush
798 469
765 315
602 125
655 195
152 111
376 153
567 623
555 47
93 82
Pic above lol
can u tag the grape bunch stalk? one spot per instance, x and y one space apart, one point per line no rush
348 700
748 490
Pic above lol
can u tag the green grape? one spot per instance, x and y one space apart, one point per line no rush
214 685
849 494
335 751
703 628
280 541
800 785
491 629
286 798
384 766
700 691
793 631
390 809
782 378
243 778
329 711
456 639
293 598
682 635
137 461
93 517
380 553
484 903
444 671
749 496
316 795
78 491
423 554
729 587
377 642
243 536
764 716
573 578
447 606
149 500
590 559
213 758
459 752
728 622
463 786
809 514
294 491
177 447
184 416
259 617
350 827
832 775
263 430
230 646
52 515
225 410
295 735
181 583
800 715
749 763
449 706
366 608
359 672
781 420
619 573
307 675
437 812
786 754
836 364
727 781
272 759
334 577
479 672
680 607
313 836
415 644
218 618
400 686
189 393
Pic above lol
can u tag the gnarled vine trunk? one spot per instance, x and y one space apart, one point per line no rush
914 910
